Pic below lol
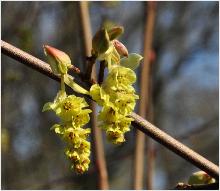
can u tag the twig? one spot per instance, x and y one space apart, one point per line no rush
183 186
144 106
90 66
101 72
91 73
138 123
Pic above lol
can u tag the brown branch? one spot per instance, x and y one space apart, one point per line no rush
138 123
183 186
91 73
144 106
174 145
34 62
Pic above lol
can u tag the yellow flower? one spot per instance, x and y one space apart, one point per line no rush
120 76
98 94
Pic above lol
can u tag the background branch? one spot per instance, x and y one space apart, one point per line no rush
99 153
145 105
139 122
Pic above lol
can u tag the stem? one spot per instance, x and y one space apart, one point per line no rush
90 62
101 72
62 84
138 123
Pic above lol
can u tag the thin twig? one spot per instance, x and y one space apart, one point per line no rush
91 73
138 123
101 71
144 106
90 66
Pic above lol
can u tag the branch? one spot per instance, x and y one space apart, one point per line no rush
174 145
139 122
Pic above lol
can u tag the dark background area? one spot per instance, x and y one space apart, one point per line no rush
185 90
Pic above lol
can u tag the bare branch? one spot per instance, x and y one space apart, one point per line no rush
139 122
175 146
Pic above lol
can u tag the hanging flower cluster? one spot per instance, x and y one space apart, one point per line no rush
116 94
117 98
73 115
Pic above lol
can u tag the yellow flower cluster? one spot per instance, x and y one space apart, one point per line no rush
117 97
74 115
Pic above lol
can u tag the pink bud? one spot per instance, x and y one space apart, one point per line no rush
121 49
58 55
58 60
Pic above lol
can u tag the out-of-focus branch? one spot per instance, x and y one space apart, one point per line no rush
91 72
144 106
138 123
148 41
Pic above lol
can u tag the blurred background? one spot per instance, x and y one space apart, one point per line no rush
185 90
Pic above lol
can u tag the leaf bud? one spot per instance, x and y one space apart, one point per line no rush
115 32
200 177
100 42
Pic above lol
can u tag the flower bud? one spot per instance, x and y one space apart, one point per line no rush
100 42
121 49
115 32
58 60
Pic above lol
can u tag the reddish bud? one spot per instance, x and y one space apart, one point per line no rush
58 60
57 54
121 49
